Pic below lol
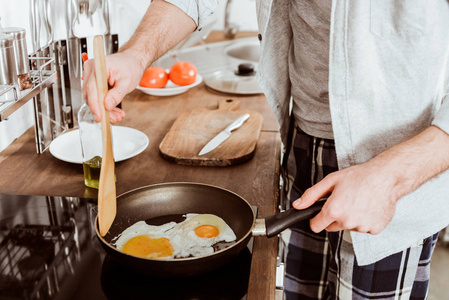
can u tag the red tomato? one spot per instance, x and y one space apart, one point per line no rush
154 77
183 73
84 56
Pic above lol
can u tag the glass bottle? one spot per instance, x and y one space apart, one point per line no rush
91 145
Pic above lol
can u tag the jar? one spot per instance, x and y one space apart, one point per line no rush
8 74
91 146
21 55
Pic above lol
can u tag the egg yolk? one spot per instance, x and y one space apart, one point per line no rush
207 231
144 246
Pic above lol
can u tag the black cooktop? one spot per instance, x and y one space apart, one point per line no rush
49 250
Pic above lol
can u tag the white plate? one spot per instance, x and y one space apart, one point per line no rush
126 143
170 89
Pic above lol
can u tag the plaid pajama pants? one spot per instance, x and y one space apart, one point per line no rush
323 265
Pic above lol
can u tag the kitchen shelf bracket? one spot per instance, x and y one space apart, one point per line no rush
41 80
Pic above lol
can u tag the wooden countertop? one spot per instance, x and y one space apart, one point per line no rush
23 171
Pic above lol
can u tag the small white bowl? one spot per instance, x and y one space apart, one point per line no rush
170 89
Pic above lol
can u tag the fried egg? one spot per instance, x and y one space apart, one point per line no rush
195 236
145 240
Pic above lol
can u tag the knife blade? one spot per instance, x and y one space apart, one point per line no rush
224 135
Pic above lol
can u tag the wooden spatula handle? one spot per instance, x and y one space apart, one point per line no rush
107 206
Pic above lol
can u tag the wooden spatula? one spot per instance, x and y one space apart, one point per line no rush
107 206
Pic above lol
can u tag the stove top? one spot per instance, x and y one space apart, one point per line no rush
49 250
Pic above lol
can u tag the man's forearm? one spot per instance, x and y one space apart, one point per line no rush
162 27
416 160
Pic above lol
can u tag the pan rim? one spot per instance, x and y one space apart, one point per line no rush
183 258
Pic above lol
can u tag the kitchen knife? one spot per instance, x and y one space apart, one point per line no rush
224 135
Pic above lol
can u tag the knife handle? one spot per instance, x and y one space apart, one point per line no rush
238 122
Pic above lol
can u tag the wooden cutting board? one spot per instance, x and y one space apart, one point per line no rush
193 130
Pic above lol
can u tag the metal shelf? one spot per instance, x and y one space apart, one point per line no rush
41 80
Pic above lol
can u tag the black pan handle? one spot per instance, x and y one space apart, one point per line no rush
278 222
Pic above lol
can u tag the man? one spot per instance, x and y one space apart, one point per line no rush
367 83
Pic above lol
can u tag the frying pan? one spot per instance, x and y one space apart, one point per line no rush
171 199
